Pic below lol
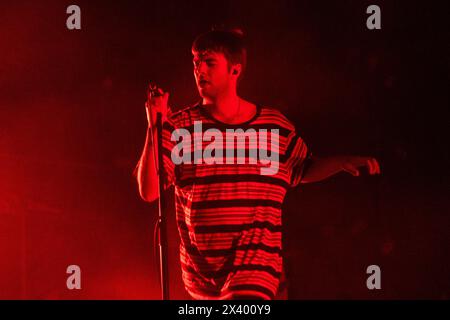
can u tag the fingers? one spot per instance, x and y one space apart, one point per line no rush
165 99
352 170
377 166
153 91
374 167
158 102
351 166
370 166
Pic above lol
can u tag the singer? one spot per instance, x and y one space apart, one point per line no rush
228 214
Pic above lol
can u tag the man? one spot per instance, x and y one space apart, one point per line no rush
228 212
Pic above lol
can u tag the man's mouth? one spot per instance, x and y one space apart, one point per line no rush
203 83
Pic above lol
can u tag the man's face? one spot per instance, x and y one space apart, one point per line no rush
212 74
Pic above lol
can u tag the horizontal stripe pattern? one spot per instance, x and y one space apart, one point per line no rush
229 214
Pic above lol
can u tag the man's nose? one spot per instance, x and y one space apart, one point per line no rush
200 69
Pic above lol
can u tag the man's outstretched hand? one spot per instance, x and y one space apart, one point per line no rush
352 165
322 168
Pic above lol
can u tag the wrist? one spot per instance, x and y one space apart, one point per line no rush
343 160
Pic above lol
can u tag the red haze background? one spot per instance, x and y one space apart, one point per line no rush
72 126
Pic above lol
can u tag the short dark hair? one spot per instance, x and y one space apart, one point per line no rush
229 42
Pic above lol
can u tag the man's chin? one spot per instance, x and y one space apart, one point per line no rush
205 93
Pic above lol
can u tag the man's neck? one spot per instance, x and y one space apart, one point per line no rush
226 108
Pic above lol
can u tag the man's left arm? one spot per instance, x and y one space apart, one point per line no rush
321 168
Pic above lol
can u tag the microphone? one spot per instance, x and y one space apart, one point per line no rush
153 91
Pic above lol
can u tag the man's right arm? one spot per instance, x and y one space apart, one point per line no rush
146 174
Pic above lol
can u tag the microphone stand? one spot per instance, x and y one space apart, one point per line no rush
162 223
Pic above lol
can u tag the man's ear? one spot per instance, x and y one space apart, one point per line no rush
236 69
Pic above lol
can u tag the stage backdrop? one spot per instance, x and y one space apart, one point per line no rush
72 126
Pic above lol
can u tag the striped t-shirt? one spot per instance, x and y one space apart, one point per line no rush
228 213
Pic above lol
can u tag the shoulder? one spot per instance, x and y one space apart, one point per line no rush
276 117
185 116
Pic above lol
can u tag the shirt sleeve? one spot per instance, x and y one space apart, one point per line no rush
299 159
